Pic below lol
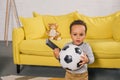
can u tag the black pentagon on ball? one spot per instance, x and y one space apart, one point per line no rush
78 64
68 69
68 59
66 47
78 50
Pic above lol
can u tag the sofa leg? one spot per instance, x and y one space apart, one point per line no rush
18 69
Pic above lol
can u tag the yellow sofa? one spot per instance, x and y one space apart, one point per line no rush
29 40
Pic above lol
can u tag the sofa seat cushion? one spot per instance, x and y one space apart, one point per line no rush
39 47
105 48
102 48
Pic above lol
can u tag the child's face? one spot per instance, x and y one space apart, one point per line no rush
77 34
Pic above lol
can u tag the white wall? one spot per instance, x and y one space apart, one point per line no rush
57 7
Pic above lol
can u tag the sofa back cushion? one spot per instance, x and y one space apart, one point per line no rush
63 22
99 27
34 27
116 29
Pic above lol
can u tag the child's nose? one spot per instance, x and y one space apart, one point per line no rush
78 36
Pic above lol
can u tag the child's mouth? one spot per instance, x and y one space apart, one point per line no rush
78 41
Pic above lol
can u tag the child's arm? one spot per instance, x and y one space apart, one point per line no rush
56 52
88 56
85 59
89 53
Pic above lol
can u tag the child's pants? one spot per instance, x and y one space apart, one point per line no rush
82 76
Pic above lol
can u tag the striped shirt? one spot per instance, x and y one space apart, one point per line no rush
86 49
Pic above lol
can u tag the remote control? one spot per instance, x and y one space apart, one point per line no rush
51 44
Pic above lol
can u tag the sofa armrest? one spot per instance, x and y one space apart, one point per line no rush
17 37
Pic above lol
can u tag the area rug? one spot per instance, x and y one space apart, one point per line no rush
17 77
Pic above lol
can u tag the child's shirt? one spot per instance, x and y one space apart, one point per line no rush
86 49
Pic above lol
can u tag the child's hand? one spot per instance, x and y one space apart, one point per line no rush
84 59
56 53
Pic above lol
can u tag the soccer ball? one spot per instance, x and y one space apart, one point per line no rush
70 57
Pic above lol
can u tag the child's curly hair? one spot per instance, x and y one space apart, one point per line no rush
78 22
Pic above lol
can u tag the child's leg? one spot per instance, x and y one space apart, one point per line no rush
83 76
70 76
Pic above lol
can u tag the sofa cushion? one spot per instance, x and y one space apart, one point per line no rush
63 22
99 27
105 48
34 27
116 29
102 49
39 47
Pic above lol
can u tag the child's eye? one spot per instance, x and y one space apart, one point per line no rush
81 34
74 34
